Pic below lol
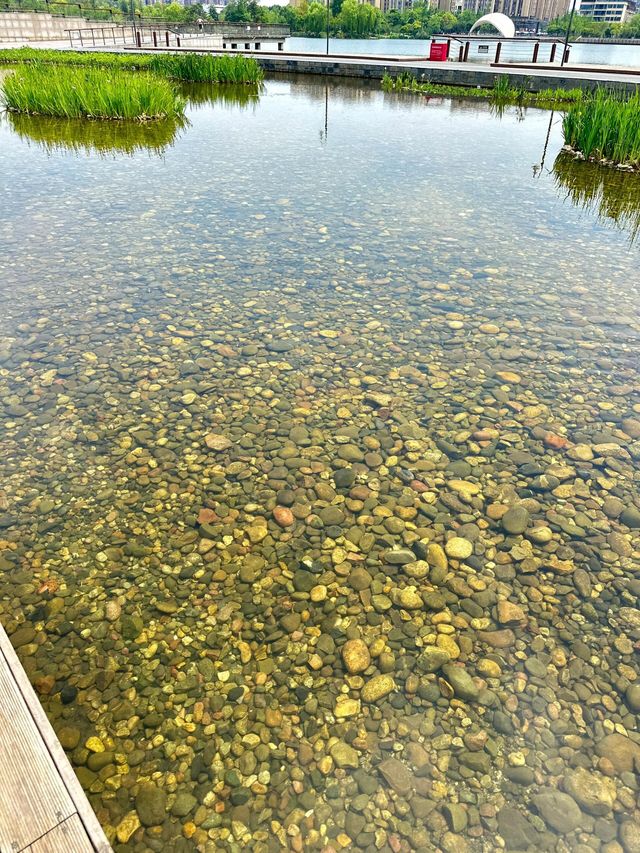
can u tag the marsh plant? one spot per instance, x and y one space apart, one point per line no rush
605 127
66 92
501 93
191 67
205 68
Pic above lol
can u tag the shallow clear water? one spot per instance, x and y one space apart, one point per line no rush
319 513
519 50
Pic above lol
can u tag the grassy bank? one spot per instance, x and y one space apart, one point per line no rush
605 127
90 93
192 67
502 92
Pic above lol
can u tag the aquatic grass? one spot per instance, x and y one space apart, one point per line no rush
191 67
502 92
90 93
605 127
206 68
20 55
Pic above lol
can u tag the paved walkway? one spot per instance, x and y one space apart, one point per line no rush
462 73
43 809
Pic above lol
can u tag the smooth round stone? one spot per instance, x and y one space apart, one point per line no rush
593 793
515 520
355 655
458 548
432 658
377 688
559 811
151 805
632 697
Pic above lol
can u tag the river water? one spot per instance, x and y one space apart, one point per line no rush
518 50
319 520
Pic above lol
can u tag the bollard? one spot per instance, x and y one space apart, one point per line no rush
496 58
553 52
460 53
466 52
166 37
138 39
536 48
566 55
178 40
155 39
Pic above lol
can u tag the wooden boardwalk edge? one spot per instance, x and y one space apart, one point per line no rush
49 742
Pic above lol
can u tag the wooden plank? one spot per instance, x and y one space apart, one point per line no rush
32 798
49 746
67 837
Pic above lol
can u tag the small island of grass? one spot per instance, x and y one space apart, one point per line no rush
67 92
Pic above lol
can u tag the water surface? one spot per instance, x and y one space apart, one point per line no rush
518 50
320 439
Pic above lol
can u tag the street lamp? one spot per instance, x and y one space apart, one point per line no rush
328 14
566 40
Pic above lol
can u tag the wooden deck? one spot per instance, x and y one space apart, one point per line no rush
43 809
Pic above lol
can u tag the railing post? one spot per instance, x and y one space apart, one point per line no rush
466 52
496 58
552 57
536 48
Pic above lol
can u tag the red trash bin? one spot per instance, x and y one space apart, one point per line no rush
439 52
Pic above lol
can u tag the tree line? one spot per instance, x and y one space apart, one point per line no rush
583 26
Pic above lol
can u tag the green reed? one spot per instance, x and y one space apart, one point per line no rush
90 93
131 62
205 68
605 126
501 93
192 67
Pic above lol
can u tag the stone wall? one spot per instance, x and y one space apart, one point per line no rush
38 26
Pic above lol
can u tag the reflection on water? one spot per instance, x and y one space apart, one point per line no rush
102 137
320 444
230 95
610 194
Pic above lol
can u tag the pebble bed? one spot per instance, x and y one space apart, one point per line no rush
320 530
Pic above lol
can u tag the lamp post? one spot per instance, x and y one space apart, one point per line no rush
133 20
566 40
328 15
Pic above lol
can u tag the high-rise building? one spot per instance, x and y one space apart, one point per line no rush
607 11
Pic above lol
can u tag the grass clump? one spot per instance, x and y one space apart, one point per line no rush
205 68
90 93
19 55
192 67
605 127
502 92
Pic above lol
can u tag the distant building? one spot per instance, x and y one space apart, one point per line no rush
607 11
518 10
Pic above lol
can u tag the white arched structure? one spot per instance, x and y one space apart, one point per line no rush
503 24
